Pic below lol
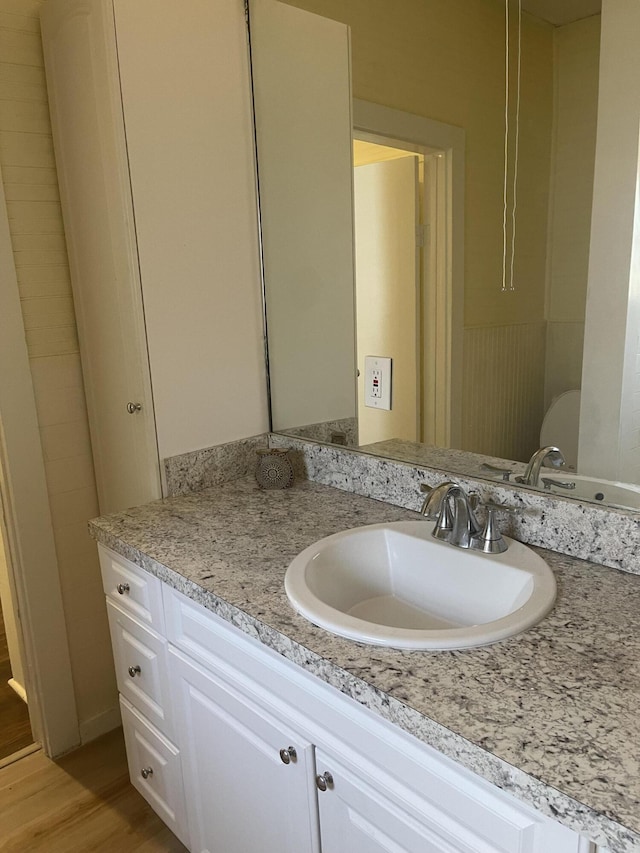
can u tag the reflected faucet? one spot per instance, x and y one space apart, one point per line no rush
531 476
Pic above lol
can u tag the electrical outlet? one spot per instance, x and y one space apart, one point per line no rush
377 382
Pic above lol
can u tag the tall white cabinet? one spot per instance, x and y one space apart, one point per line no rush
151 113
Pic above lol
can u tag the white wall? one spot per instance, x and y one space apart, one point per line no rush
609 423
576 72
8 610
39 252
386 208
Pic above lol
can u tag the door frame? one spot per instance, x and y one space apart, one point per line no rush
27 527
443 264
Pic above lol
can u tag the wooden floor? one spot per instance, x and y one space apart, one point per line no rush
15 728
84 802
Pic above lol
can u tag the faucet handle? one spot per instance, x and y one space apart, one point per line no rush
559 484
444 522
495 469
474 500
425 488
492 506
490 540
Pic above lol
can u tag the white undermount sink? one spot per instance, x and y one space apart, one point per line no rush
395 585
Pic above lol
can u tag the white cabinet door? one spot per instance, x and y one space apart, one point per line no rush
302 101
368 811
241 796
86 115
356 817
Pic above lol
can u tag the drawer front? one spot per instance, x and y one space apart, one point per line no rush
155 769
136 591
141 668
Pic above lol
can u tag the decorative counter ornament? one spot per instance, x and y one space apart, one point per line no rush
274 469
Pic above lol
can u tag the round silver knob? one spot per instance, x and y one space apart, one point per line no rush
123 587
134 670
146 772
288 755
132 408
324 781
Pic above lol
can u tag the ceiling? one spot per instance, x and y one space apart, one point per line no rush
559 12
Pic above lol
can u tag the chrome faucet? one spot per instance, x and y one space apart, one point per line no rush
454 512
531 476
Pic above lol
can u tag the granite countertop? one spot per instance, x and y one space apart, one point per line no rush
456 461
553 716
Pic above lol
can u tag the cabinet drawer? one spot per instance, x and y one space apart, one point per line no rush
141 668
161 782
131 588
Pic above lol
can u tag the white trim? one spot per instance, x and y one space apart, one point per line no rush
99 725
18 689
29 542
443 353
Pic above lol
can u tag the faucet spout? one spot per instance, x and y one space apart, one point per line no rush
452 509
465 523
436 507
531 476
432 504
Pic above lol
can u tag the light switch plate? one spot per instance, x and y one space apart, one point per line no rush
377 382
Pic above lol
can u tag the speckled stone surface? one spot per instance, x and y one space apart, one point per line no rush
322 431
454 461
551 716
609 536
202 469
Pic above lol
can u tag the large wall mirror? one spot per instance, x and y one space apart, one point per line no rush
392 228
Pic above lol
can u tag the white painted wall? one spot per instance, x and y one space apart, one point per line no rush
609 423
27 523
576 71
37 267
8 617
387 298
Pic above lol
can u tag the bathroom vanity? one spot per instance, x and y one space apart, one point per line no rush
248 728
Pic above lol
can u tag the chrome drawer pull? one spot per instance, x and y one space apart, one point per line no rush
288 755
146 772
123 587
324 781
134 670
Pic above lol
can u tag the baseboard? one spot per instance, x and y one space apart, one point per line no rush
100 724
19 689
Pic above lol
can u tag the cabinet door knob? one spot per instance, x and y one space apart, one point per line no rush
134 670
132 408
324 781
123 587
288 755
146 772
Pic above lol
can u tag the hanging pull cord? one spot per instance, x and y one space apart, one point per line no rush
508 279
515 161
506 148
